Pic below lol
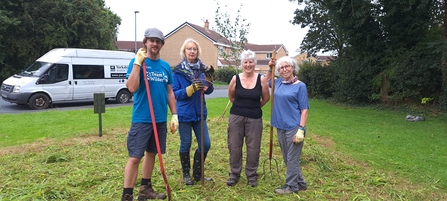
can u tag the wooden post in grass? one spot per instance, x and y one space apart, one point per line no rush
99 102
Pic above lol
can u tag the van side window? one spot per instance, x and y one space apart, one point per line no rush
88 72
62 72
57 73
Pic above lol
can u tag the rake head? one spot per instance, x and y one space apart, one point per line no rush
270 166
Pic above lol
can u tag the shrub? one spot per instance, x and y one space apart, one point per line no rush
318 79
225 74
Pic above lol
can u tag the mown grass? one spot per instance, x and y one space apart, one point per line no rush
349 154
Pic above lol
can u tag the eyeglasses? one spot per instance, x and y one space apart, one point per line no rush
285 67
191 49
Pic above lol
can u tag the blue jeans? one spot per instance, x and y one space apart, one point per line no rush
185 130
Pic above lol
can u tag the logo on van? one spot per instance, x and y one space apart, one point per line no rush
118 68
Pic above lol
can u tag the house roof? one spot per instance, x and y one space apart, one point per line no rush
128 45
262 62
227 63
208 33
325 58
217 38
265 48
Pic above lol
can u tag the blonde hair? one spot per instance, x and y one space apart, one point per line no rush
190 40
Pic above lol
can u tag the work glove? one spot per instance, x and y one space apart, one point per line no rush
174 123
299 136
196 85
209 73
141 55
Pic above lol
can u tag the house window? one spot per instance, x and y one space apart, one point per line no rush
220 50
269 55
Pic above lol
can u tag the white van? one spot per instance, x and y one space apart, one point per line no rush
70 74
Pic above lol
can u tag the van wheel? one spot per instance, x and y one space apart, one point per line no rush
123 96
39 101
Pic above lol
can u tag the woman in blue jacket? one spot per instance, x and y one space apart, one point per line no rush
191 79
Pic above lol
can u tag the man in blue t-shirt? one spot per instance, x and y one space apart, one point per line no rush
141 140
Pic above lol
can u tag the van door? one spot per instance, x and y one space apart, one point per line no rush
115 73
57 83
88 79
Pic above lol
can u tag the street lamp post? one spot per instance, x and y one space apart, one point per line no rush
136 30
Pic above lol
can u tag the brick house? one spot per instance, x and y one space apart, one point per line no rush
211 43
128 46
321 59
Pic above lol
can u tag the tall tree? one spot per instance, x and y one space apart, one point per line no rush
386 47
443 96
234 33
406 27
404 23
35 27
6 22
323 34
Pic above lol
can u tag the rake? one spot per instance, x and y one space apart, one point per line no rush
270 159
225 111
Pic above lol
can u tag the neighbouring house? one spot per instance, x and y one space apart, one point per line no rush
264 53
211 43
128 46
321 59
324 60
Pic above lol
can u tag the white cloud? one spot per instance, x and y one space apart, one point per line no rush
269 19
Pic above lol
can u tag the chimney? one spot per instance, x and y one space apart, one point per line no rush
207 25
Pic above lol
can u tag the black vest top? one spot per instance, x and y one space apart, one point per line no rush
247 102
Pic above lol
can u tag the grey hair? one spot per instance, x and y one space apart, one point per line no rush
288 60
248 55
190 40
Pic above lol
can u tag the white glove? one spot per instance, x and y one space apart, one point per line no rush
299 136
141 55
174 123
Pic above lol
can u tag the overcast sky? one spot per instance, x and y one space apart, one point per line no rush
270 19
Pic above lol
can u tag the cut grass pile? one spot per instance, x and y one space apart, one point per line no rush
58 155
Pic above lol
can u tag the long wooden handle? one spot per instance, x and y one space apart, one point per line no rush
271 107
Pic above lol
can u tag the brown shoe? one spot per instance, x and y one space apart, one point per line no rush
147 192
127 197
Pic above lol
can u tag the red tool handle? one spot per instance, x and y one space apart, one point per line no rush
154 125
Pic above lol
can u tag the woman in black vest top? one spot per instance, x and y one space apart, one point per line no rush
248 91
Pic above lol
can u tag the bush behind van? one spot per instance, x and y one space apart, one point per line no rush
70 74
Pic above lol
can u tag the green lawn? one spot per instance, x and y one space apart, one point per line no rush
349 154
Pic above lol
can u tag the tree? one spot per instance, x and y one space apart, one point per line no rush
443 96
234 34
323 34
387 49
32 29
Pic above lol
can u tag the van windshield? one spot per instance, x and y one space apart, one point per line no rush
36 69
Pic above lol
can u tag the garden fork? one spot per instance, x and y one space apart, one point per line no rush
270 159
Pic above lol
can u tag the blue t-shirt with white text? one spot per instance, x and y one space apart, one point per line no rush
159 76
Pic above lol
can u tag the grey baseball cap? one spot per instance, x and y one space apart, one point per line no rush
154 33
